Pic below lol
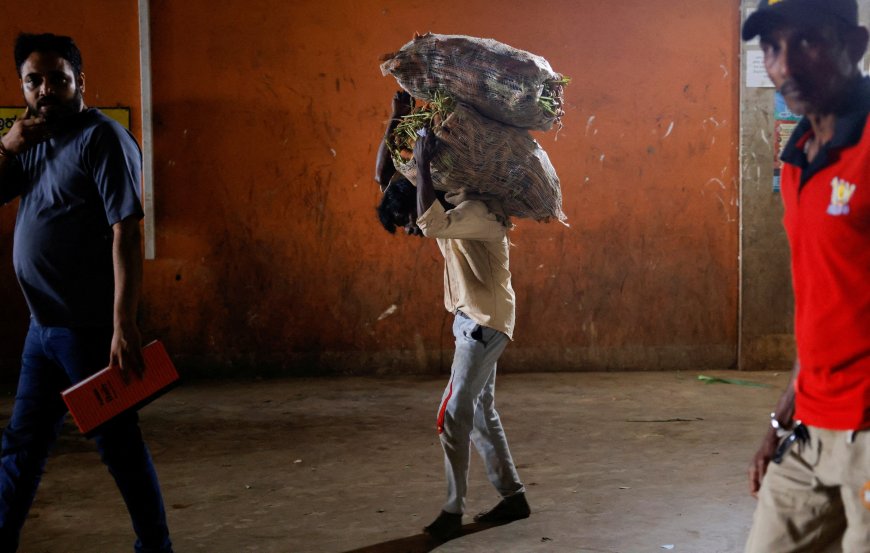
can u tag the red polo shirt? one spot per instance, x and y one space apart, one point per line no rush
827 219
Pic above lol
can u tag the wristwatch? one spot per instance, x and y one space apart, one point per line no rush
781 429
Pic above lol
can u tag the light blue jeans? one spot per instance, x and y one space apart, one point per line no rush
467 414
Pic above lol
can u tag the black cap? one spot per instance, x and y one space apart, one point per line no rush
810 12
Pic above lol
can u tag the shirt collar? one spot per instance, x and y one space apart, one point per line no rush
848 127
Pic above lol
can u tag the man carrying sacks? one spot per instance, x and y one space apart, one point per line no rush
477 289
470 140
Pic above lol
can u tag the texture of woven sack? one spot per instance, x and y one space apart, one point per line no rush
503 83
485 157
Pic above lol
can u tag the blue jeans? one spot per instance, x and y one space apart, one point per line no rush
467 414
53 359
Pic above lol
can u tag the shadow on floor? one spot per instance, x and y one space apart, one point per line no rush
421 543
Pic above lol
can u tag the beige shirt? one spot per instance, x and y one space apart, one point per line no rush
477 280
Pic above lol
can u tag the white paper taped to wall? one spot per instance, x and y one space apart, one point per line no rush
756 74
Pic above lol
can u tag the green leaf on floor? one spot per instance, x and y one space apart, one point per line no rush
716 380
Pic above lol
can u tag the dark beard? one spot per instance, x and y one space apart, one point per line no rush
61 112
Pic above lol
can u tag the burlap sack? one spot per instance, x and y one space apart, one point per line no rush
503 83
485 157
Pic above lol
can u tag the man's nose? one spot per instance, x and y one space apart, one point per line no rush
785 61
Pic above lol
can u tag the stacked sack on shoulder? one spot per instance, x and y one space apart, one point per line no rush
481 97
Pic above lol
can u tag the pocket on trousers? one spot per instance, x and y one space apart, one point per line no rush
474 332
479 334
468 329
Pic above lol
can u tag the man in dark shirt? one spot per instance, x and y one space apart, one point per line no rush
77 256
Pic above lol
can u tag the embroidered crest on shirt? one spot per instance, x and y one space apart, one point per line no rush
865 495
841 194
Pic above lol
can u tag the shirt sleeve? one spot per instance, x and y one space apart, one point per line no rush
470 220
115 163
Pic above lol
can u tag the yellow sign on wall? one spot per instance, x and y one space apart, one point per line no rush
9 115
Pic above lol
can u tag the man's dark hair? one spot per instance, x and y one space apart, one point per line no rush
63 46
399 197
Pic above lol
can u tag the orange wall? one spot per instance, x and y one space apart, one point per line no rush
267 117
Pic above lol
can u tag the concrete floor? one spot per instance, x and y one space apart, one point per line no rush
615 462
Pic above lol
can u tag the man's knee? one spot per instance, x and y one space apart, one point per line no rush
31 443
454 428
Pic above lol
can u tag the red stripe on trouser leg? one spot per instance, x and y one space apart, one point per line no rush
444 407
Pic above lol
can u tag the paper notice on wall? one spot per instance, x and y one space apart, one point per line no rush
756 74
9 115
121 115
784 124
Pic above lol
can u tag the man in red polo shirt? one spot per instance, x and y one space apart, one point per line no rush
816 494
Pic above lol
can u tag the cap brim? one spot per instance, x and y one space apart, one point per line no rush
758 23
763 20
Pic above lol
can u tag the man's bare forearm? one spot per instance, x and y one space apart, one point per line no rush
10 175
402 105
25 133
384 168
784 410
127 259
424 150
425 190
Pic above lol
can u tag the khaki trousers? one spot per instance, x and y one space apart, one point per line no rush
818 499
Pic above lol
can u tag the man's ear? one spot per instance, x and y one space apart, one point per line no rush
81 82
857 43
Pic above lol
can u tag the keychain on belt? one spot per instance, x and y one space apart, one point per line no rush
798 433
